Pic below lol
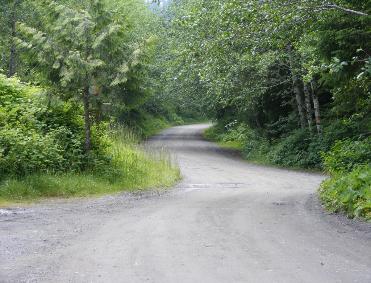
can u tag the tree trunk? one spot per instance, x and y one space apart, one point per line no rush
99 112
317 114
308 107
296 86
13 51
87 120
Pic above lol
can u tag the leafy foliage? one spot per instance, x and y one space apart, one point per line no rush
349 193
347 154
349 188
37 137
92 63
129 169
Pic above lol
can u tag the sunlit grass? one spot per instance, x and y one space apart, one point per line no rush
132 168
236 145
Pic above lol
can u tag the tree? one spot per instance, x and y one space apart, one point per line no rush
236 58
80 50
11 12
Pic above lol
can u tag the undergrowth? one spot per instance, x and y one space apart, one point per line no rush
348 190
131 168
349 193
42 150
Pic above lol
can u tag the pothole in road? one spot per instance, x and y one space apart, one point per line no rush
280 203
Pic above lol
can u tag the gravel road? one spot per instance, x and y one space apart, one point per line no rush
227 221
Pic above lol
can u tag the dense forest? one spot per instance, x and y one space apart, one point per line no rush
78 91
285 82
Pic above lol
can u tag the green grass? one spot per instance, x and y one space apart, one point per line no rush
235 145
132 168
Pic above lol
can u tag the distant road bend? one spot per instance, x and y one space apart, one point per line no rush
228 221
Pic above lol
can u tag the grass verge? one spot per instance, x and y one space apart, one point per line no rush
131 168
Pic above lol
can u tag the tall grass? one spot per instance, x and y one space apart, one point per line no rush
131 168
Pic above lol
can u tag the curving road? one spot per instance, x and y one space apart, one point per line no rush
228 221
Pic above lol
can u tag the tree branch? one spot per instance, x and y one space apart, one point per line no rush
349 11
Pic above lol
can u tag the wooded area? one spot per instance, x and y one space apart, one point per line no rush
80 94
287 82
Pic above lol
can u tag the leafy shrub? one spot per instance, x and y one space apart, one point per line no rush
347 154
42 150
255 147
299 149
129 168
23 152
344 128
349 193
36 136
349 188
235 132
212 133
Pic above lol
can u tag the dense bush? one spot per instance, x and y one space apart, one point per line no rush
213 133
296 150
349 192
26 151
42 150
300 148
347 154
232 135
36 136
234 132
129 168
349 188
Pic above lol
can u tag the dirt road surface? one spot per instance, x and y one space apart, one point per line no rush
227 221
